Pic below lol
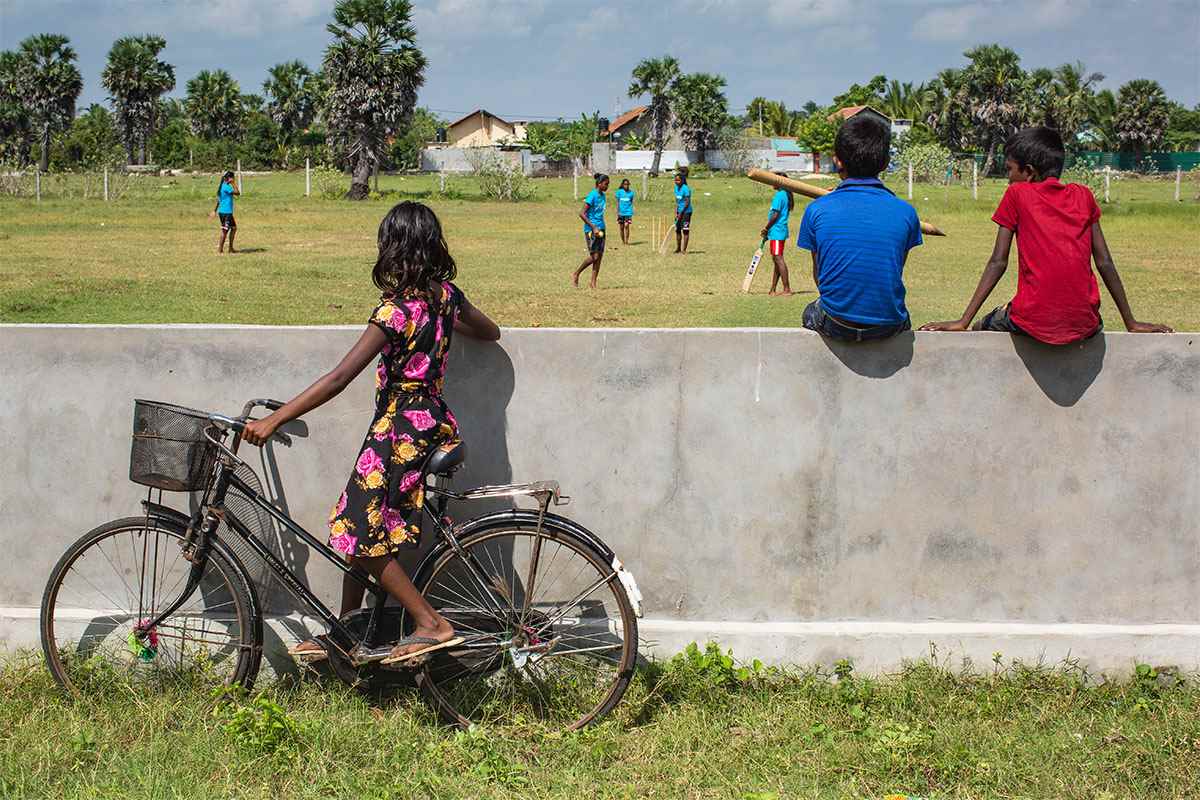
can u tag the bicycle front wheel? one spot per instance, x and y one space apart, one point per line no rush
550 633
115 580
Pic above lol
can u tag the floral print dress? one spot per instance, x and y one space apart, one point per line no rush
380 511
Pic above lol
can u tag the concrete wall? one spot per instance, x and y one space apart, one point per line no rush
458 159
624 160
800 500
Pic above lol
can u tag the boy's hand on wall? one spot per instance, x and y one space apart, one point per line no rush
1147 327
955 325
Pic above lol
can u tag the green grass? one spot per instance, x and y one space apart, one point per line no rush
149 257
695 727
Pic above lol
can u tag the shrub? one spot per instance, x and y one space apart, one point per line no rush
329 184
1080 173
499 178
929 160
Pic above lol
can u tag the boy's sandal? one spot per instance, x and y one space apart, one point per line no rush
310 651
417 657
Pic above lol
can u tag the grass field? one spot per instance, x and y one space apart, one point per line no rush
692 728
150 257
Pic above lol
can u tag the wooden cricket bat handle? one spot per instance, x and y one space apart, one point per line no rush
809 190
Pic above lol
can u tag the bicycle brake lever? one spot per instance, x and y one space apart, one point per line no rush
282 438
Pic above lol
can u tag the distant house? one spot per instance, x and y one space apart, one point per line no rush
638 121
481 128
897 126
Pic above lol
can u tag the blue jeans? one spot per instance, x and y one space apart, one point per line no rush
815 319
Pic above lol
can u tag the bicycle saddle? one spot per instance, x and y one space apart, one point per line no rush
445 462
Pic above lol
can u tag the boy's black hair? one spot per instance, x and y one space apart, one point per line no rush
413 256
863 146
1038 147
791 197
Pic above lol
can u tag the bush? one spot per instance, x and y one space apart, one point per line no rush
329 184
499 178
1081 173
929 161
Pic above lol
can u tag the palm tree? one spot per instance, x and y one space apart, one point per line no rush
135 79
656 77
15 133
291 99
1074 90
756 113
49 84
995 82
948 109
373 69
214 105
1143 113
904 101
698 104
1101 113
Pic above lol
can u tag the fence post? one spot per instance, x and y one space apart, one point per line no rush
974 178
575 177
1178 182
645 179
307 179
1107 177
239 175
37 184
106 184
376 177
910 180
190 164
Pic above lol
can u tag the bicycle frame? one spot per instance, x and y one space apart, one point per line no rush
213 511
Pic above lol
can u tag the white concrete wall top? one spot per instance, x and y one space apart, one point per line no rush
747 476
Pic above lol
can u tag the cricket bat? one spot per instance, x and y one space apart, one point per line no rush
753 266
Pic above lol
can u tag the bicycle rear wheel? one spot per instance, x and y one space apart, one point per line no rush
550 633
118 577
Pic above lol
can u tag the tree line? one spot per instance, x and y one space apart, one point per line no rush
358 109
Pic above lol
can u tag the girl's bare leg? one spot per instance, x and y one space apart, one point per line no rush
782 271
221 242
678 241
427 622
686 234
595 270
232 233
587 262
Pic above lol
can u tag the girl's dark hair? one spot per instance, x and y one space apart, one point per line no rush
624 181
791 197
599 177
413 256
682 175
228 174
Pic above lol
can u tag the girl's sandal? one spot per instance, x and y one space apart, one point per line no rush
310 651
418 657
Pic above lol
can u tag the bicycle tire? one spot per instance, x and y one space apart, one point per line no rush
223 567
552 531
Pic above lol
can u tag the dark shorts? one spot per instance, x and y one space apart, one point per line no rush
684 223
595 244
815 319
998 319
624 220
227 221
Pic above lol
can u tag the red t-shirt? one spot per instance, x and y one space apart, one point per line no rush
1057 298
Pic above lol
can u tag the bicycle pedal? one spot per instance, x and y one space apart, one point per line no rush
360 655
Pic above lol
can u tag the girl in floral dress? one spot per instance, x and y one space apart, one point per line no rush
379 513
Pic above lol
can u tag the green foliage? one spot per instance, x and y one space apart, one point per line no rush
169 144
47 84
328 184
135 79
405 152
91 143
215 105
818 132
560 140
1183 128
696 674
293 93
928 160
699 107
1142 116
500 178
258 725
858 95
656 78
1083 175
373 70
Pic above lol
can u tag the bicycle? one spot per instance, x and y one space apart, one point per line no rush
547 612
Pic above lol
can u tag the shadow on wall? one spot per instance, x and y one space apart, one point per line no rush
1062 372
881 358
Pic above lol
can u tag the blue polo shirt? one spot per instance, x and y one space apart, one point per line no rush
861 234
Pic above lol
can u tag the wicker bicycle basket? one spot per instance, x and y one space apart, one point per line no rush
169 449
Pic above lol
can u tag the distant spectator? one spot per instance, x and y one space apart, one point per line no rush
859 235
1057 227
593 229
776 233
624 195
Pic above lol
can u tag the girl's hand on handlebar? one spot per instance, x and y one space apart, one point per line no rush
259 431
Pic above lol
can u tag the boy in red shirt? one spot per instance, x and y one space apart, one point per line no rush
1057 226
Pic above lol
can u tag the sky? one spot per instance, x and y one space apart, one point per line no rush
543 59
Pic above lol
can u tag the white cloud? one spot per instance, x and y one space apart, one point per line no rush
598 21
458 19
988 20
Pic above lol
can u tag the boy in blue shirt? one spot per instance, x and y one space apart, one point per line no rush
624 196
776 232
592 215
859 236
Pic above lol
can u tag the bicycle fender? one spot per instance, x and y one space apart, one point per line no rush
159 511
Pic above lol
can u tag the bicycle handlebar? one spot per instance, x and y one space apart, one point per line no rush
238 424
